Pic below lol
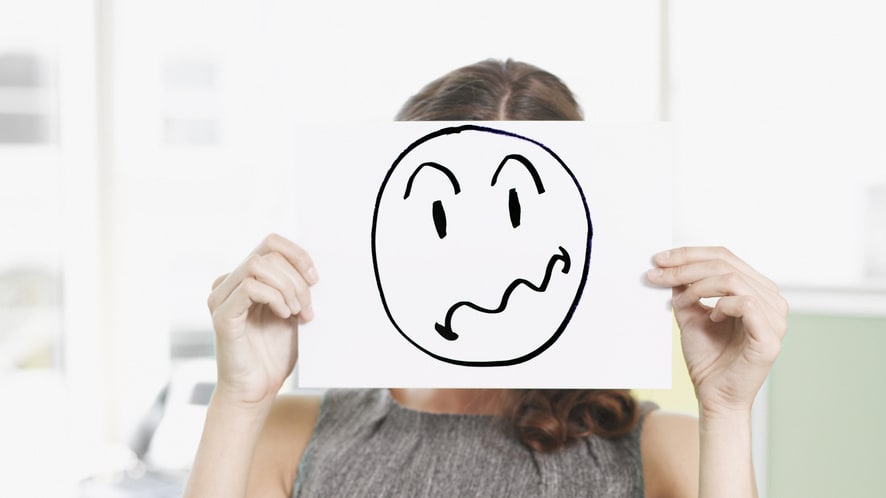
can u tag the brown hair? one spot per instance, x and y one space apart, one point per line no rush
544 419
493 90
549 419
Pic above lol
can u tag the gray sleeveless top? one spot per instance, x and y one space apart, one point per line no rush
366 444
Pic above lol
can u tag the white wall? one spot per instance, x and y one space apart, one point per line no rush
779 109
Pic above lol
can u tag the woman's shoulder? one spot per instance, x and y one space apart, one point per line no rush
295 416
294 410
292 419
669 449
284 437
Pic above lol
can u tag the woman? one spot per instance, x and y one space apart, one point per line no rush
457 442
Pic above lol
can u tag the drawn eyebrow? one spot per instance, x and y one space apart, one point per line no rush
438 167
529 167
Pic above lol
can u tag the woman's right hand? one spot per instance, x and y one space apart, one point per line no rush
256 310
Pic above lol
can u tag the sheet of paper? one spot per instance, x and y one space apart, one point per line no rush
493 254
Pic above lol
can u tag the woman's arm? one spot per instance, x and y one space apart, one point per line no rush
725 454
224 457
256 310
253 453
673 445
281 444
729 349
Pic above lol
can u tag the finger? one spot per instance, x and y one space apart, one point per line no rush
248 292
686 255
295 255
298 257
683 314
217 296
689 273
745 307
727 284
766 305
219 280
300 288
262 268
733 284
272 270
759 328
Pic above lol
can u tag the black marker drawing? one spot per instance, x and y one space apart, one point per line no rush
446 330
493 274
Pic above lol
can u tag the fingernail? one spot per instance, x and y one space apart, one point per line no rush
654 273
307 314
664 255
311 274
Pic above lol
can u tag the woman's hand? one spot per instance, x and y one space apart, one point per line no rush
729 348
255 312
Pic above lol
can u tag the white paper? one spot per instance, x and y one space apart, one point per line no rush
493 254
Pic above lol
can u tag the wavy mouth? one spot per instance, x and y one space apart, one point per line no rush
446 331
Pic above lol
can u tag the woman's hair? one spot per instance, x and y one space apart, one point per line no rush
544 419
493 90
549 419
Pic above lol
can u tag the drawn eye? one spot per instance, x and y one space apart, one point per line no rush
439 218
514 207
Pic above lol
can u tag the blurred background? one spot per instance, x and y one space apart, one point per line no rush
145 149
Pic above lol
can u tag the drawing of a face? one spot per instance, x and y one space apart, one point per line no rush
481 241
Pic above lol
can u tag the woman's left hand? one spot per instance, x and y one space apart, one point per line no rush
729 348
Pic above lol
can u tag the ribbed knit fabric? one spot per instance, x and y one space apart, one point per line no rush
367 444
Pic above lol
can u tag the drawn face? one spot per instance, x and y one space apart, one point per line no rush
481 241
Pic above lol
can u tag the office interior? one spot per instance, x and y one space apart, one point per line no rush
145 148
